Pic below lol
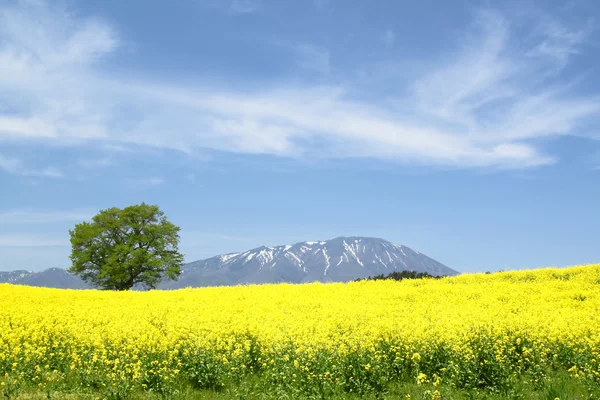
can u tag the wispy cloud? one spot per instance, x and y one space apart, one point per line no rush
145 182
486 105
389 37
245 6
557 41
11 165
45 62
93 163
44 217
155 181
321 4
15 166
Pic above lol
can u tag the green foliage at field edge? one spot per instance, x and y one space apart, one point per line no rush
558 385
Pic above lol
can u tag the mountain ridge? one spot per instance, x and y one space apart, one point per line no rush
341 259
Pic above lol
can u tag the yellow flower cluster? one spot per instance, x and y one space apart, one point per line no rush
358 336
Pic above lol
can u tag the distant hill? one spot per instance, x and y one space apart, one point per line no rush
341 259
53 277
14 276
338 260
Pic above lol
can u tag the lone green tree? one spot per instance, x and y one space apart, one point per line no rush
121 248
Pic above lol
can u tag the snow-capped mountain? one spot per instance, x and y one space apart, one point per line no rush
14 276
338 260
52 277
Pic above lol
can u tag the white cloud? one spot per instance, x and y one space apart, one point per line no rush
485 104
15 166
45 63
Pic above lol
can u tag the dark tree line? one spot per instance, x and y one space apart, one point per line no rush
400 275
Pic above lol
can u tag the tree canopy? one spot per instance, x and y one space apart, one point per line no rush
121 248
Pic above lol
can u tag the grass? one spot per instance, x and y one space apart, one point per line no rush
559 385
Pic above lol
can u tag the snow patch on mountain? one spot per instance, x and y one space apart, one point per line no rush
337 260
341 259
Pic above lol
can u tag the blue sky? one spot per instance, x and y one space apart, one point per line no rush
465 131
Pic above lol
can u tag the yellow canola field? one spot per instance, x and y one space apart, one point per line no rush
472 330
